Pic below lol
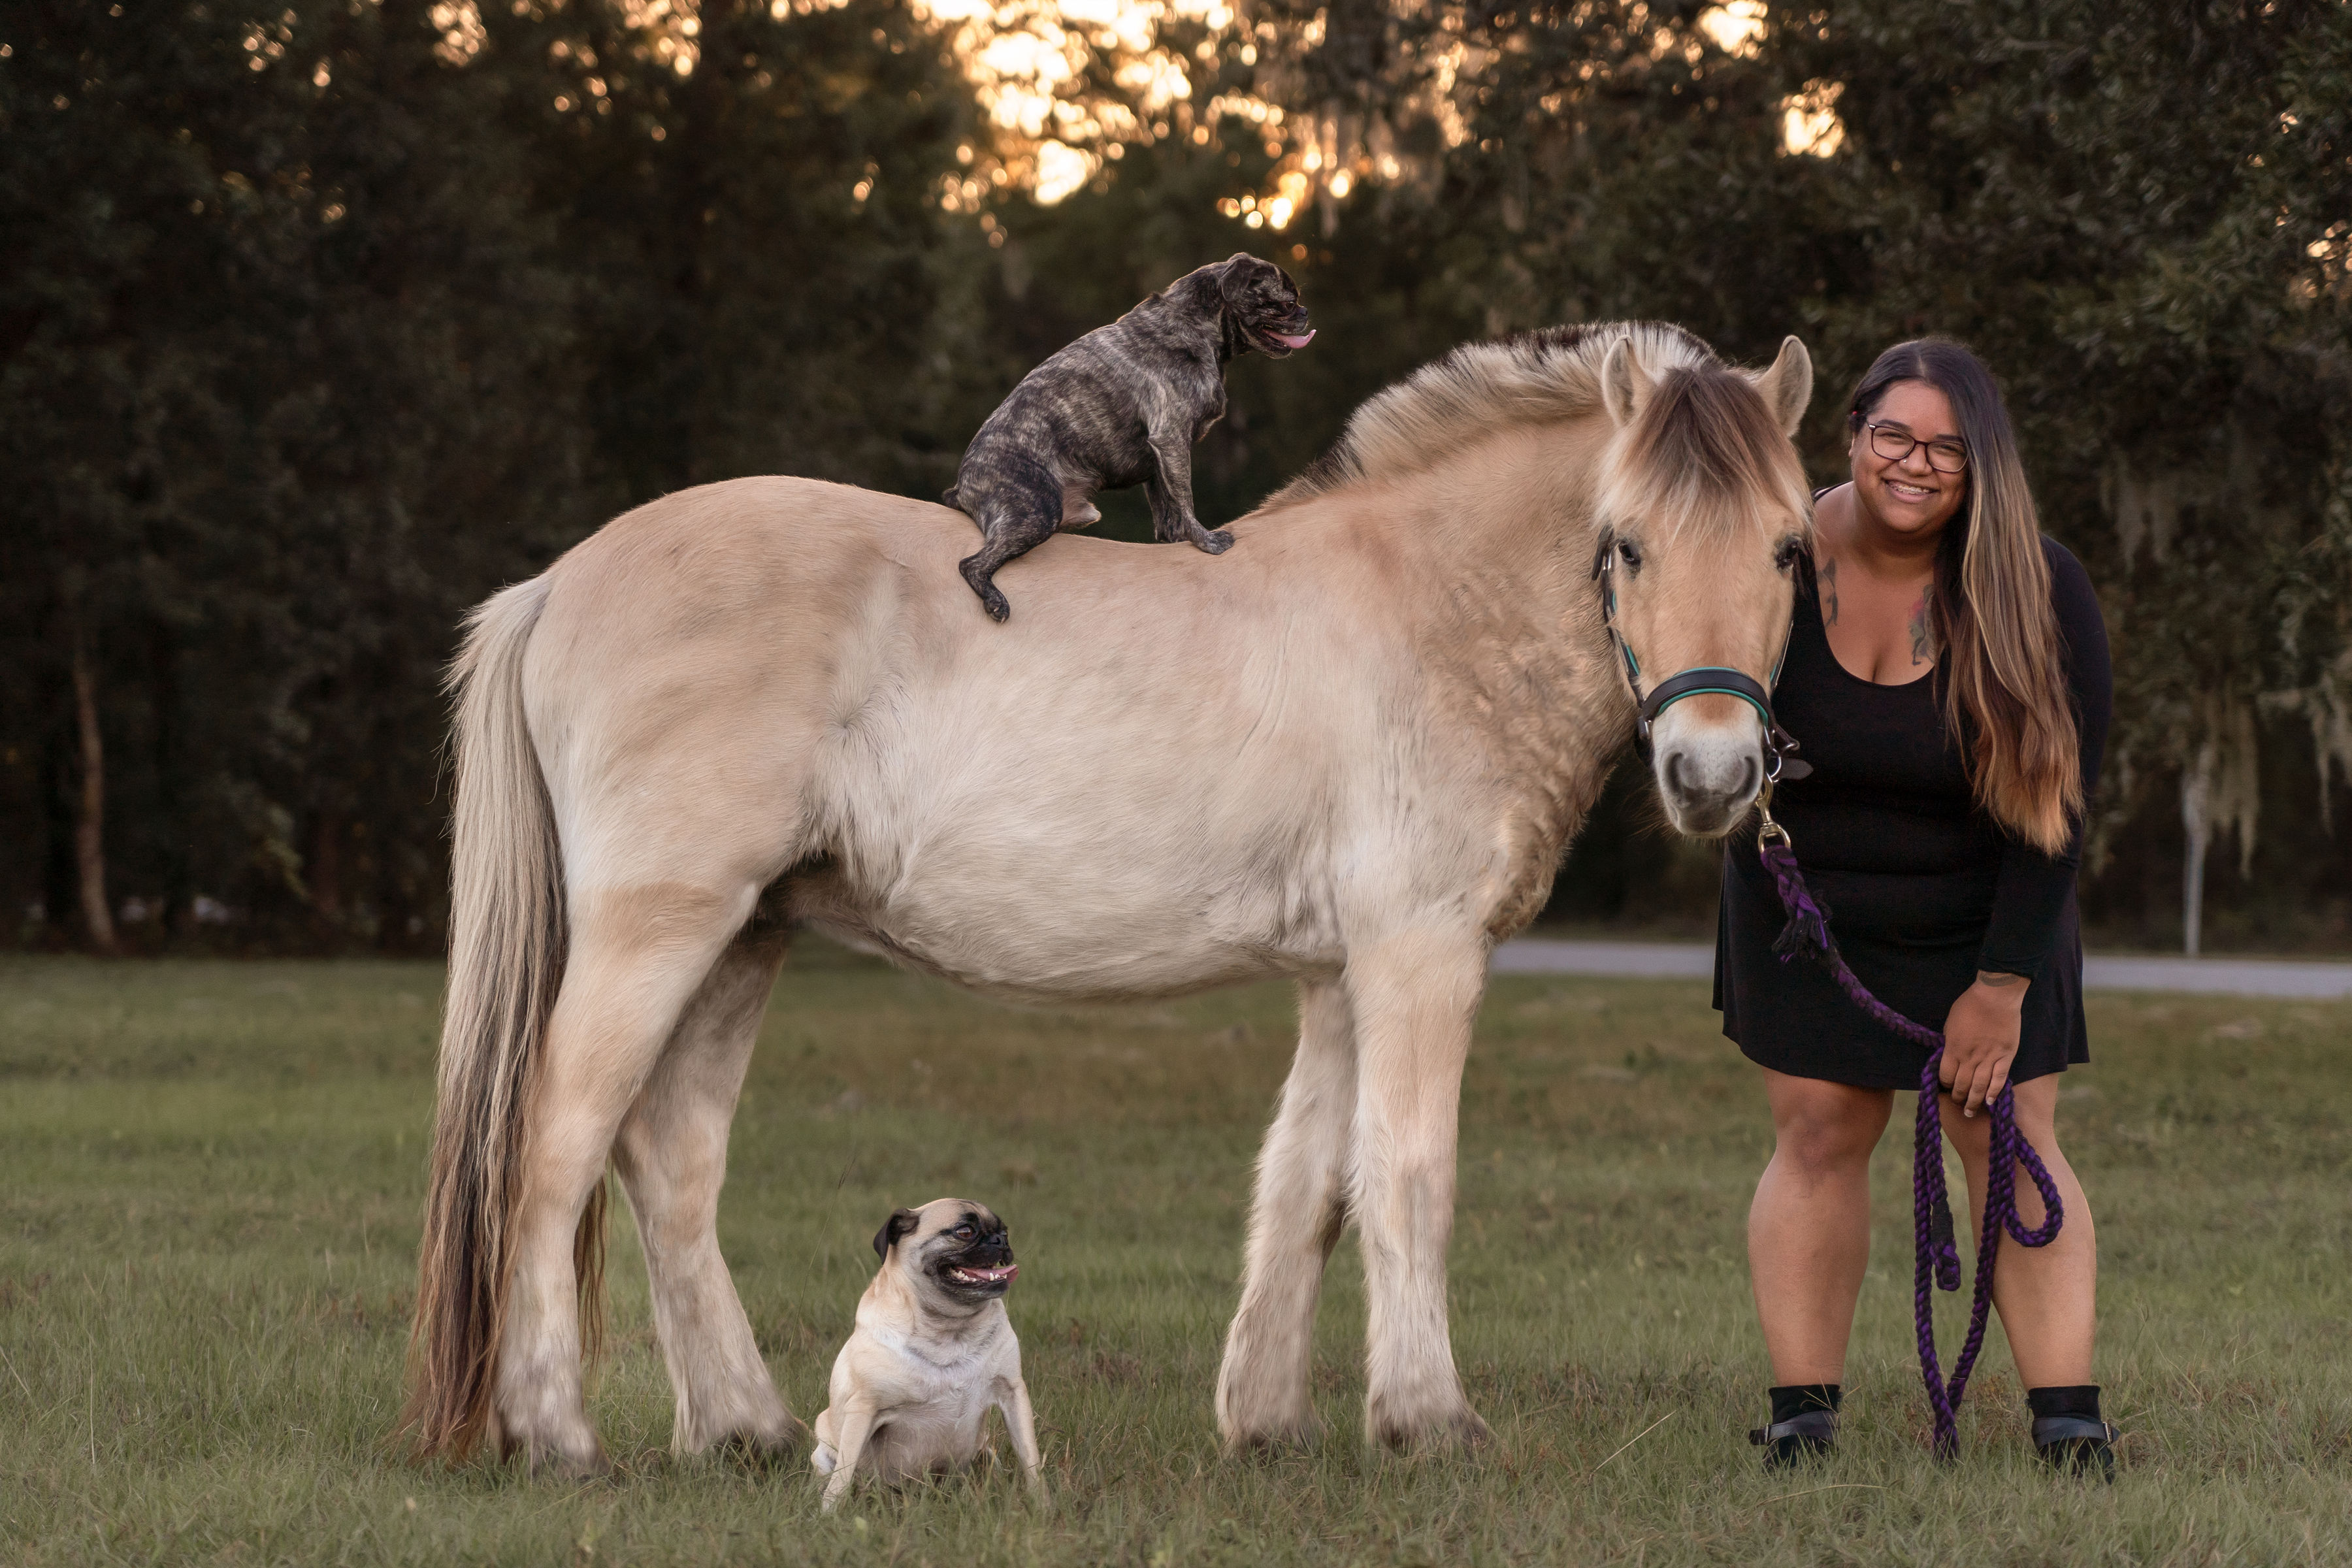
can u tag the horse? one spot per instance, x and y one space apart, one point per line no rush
1350 752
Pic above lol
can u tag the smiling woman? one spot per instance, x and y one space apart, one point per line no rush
1948 675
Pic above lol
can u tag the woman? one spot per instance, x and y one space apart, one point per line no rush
1948 675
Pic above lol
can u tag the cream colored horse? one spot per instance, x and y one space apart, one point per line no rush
1349 752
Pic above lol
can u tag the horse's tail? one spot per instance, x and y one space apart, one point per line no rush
506 961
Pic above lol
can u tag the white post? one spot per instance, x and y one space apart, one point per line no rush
2196 816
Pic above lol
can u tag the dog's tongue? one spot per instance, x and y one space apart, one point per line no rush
991 1276
1289 342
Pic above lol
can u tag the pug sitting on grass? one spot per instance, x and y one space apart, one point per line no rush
1122 405
932 1352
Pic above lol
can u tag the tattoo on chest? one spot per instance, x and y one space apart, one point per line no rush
1923 634
1829 591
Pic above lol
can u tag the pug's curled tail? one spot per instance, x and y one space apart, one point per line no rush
506 961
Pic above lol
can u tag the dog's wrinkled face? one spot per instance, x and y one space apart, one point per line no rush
1264 303
951 1248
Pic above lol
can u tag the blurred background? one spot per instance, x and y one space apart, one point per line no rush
321 319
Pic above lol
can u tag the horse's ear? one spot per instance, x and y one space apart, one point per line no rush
1787 386
1625 382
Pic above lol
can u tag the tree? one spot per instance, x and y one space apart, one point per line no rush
278 381
2138 213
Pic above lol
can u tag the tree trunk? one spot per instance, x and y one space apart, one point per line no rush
89 817
324 874
2196 817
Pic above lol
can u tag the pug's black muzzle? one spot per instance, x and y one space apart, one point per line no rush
983 1268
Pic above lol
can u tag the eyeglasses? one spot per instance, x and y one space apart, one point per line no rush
1894 444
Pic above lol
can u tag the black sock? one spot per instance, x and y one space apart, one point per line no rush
1793 1401
2076 1399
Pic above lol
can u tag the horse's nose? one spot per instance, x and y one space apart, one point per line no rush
1707 781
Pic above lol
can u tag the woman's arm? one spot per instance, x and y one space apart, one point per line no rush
2030 896
1981 1031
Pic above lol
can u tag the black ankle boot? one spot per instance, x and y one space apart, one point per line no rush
1804 1424
2068 1433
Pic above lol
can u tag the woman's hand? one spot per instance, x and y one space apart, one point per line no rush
1980 1038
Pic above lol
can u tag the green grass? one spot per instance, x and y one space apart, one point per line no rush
210 1178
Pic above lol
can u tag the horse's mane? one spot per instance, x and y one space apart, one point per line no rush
1532 378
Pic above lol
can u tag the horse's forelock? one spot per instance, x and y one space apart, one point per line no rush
1704 454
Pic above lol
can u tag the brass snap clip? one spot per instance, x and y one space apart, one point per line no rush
1771 832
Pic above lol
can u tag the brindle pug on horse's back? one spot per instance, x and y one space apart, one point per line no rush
1123 405
767 701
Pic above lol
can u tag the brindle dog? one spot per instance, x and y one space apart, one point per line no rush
1122 405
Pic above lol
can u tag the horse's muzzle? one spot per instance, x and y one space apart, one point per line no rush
1707 778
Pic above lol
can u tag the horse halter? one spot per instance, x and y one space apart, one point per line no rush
1780 747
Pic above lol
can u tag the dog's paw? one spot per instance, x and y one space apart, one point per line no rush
1216 542
990 599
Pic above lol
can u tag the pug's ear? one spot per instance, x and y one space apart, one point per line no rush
1234 276
902 1222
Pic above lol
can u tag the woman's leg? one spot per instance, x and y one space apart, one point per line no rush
1809 1230
2047 1296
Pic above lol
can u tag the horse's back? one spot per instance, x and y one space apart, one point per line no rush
794 671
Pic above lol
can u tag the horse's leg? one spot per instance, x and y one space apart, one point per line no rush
638 955
1300 1207
1413 996
672 1157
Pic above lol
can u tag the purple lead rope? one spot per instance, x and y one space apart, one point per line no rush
1937 1258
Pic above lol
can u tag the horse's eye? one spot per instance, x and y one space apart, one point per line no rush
1631 554
1786 557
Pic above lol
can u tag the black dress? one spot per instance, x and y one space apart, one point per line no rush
1923 888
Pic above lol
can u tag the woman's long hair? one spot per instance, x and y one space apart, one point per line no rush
2004 680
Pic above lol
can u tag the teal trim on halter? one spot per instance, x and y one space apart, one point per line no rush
1762 711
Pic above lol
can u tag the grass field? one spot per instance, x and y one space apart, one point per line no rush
212 1174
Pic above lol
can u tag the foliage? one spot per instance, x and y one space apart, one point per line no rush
2140 213
330 321
319 320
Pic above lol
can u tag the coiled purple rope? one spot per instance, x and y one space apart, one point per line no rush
1937 1256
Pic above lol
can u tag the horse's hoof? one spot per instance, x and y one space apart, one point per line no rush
1264 1448
1272 1439
589 1466
1462 1432
752 1451
1216 543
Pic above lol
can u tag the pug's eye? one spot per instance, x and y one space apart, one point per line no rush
964 1233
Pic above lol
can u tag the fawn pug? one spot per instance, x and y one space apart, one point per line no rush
933 1350
1122 405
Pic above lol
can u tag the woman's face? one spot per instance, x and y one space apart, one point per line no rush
1908 494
